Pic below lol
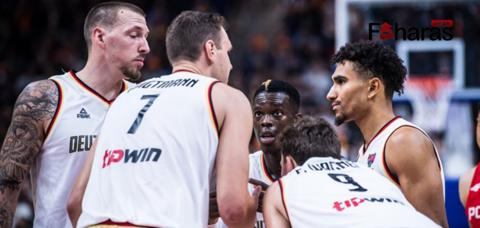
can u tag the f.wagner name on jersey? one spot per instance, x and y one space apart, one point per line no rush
341 205
130 156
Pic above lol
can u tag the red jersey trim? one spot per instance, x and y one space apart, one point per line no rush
57 109
212 109
183 70
92 91
110 222
264 168
365 145
282 193
392 176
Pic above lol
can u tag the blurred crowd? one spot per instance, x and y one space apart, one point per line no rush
290 40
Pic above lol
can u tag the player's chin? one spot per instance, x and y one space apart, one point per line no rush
133 74
271 146
340 119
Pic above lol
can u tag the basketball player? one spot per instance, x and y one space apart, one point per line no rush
156 151
469 186
366 76
275 104
55 120
324 191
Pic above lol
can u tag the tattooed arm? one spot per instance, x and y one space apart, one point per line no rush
32 113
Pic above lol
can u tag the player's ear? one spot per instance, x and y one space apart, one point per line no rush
288 164
374 87
209 50
98 37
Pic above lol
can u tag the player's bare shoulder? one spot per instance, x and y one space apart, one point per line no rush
229 93
37 102
406 143
409 139
33 110
226 97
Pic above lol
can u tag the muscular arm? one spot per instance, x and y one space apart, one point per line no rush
236 207
74 206
32 113
273 211
411 157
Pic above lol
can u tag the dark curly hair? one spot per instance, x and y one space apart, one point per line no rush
373 59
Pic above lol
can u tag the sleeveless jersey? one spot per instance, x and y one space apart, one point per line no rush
257 170
374 154
327 192
472 206
76 122
155 155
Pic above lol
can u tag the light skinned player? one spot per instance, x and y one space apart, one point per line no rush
163 141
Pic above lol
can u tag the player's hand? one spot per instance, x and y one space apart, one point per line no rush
262 186
257 192
213 212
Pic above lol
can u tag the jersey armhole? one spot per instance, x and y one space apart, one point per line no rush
389 173
387 169
282 194
213 115
57 109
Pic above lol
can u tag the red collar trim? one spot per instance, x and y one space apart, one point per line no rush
89 89
365 145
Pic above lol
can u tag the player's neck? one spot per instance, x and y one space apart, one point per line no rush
105 81
189 67
373 121
272 163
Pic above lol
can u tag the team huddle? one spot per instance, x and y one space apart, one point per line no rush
173 151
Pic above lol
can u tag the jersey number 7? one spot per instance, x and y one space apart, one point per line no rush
138 120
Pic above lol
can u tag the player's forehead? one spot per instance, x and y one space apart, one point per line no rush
127 19
345 69
225 40
277 99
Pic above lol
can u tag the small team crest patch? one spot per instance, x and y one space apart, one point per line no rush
475 188
371 159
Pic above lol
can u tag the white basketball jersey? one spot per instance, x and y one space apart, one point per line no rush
257 170
77 120
374 155
327 192
155 155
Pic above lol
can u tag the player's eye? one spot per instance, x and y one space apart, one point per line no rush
134 35
278 114
340 81
258 114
